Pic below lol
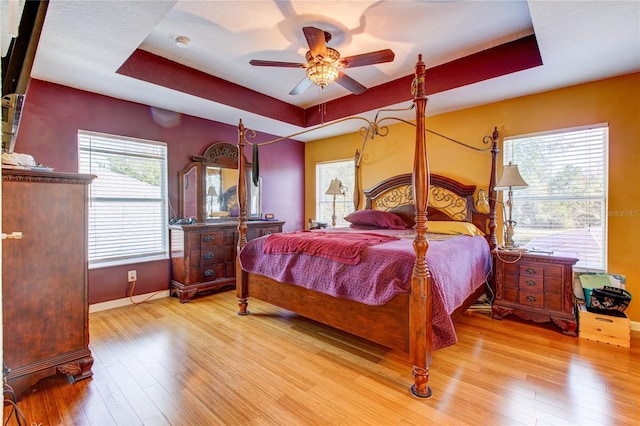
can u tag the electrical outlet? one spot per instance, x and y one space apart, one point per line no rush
132 276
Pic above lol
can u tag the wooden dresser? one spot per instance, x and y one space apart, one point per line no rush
203 256
535 287
44 276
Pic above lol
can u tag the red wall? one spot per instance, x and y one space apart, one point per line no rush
49 124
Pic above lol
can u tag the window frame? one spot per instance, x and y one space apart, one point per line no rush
593 150
344 170
133 211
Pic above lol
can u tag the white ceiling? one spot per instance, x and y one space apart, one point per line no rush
83 43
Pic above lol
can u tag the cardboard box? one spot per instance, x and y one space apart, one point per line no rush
612 328
590 280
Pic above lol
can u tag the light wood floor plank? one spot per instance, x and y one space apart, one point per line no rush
163 362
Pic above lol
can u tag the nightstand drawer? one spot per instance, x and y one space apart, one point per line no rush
531 269
511 281
553 286
531 283
540 270
535 300
510 294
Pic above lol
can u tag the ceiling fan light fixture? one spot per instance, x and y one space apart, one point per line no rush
322 74
330 57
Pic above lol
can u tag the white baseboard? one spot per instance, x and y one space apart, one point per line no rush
102 306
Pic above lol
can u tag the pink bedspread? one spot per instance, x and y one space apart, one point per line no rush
458 266
344 247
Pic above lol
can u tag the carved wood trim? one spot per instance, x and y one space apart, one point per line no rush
17 175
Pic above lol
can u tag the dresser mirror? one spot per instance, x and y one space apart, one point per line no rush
209 183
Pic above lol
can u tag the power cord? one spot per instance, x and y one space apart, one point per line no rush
510 251
133 302
21 420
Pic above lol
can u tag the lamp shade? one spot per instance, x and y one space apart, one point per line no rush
211 191
322 74
510 179
335 188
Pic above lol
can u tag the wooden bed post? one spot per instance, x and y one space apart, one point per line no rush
357 190
241 281
420 308
493 194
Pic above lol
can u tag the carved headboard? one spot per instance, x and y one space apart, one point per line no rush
448 199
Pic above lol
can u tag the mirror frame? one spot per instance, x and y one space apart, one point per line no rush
219 154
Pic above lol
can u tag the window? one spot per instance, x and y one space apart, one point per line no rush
128 199
564 208
325 173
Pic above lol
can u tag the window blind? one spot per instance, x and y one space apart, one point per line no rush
564 208
128 199
325 173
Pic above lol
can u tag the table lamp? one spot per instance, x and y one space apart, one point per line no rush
509 181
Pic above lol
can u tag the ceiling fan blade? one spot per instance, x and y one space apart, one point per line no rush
317 40
301 87
370 58
260 63
349 83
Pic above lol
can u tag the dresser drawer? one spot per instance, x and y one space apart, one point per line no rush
222 253
213 272
210 239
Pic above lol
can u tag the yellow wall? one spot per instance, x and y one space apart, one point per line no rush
615 101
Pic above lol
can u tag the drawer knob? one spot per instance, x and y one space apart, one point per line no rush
208 273
530 271
530 282
208 238
530 299
208 256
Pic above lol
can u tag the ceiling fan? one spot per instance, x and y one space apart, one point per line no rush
324 64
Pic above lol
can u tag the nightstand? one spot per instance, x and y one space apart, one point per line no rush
535 287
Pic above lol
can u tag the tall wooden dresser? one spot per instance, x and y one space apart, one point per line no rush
203 256
44 276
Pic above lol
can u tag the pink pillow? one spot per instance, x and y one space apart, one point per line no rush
375 219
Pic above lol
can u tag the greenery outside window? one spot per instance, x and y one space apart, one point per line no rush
564 209
342 170
128 201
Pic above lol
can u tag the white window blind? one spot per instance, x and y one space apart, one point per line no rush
564 208
128 199
325 173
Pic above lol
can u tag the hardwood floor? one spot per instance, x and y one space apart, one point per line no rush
198 363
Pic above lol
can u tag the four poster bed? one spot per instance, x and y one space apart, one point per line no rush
414 297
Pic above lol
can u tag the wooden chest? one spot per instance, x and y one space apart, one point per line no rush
203 256
44 277
535 287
